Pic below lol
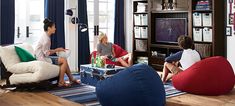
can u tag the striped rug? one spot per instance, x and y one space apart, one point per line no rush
85 94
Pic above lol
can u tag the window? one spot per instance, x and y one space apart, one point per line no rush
29 15
105 19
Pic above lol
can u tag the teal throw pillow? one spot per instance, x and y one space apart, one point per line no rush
24 55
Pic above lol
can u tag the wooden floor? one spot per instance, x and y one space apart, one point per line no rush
33 99
46 99
196 100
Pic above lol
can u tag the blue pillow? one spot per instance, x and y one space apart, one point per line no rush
138 85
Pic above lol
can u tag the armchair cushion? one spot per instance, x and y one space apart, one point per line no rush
24 55
33 71
8 54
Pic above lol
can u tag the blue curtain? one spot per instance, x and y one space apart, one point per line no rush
119 37
54 10
83 37
7 21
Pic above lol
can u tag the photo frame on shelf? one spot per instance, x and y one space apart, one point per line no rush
228 31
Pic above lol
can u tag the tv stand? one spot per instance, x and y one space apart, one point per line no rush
158 51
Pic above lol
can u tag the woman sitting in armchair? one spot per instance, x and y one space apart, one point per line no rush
106 51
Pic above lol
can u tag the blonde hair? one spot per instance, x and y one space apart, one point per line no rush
101 36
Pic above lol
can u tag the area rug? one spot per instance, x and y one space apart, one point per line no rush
85 94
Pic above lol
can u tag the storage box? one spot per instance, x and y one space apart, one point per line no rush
91 75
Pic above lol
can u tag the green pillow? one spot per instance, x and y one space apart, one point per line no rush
24 55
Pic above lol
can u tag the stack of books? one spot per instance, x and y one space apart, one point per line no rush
203 5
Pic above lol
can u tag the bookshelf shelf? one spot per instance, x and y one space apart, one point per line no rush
168 11
140 51
140 13
141 25
142 38
202 27
202 42
202 11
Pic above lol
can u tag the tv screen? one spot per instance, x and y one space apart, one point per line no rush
169 29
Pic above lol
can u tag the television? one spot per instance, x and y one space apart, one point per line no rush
169 29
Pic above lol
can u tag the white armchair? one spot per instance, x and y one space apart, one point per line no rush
25 72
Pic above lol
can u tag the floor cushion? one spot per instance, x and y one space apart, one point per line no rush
138 85
211 76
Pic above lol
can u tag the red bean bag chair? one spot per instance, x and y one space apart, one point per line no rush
119 52
211 76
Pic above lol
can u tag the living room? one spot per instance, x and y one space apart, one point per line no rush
137 32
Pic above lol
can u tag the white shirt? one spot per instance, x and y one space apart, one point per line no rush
43 47
189 57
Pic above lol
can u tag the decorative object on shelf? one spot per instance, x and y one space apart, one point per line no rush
230 15
197 34
142 60
144 32
142 7
197 19
206 19
207 34
76 20
144 19
137 32
169 4
229 31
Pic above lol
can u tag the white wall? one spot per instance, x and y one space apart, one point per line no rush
71 35
128 25
230 44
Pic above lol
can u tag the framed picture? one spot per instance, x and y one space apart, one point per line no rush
228 31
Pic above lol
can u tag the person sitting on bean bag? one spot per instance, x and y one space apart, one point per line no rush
187 57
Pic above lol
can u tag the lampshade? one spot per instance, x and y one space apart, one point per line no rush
75 20
82 27
69 12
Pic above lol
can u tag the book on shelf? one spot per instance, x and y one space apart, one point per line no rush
207 34
144 32
197 34
141 45
137 32
206 19
197 19
203 49
203 5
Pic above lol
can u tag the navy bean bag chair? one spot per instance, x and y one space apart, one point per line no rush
138 85
211 76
